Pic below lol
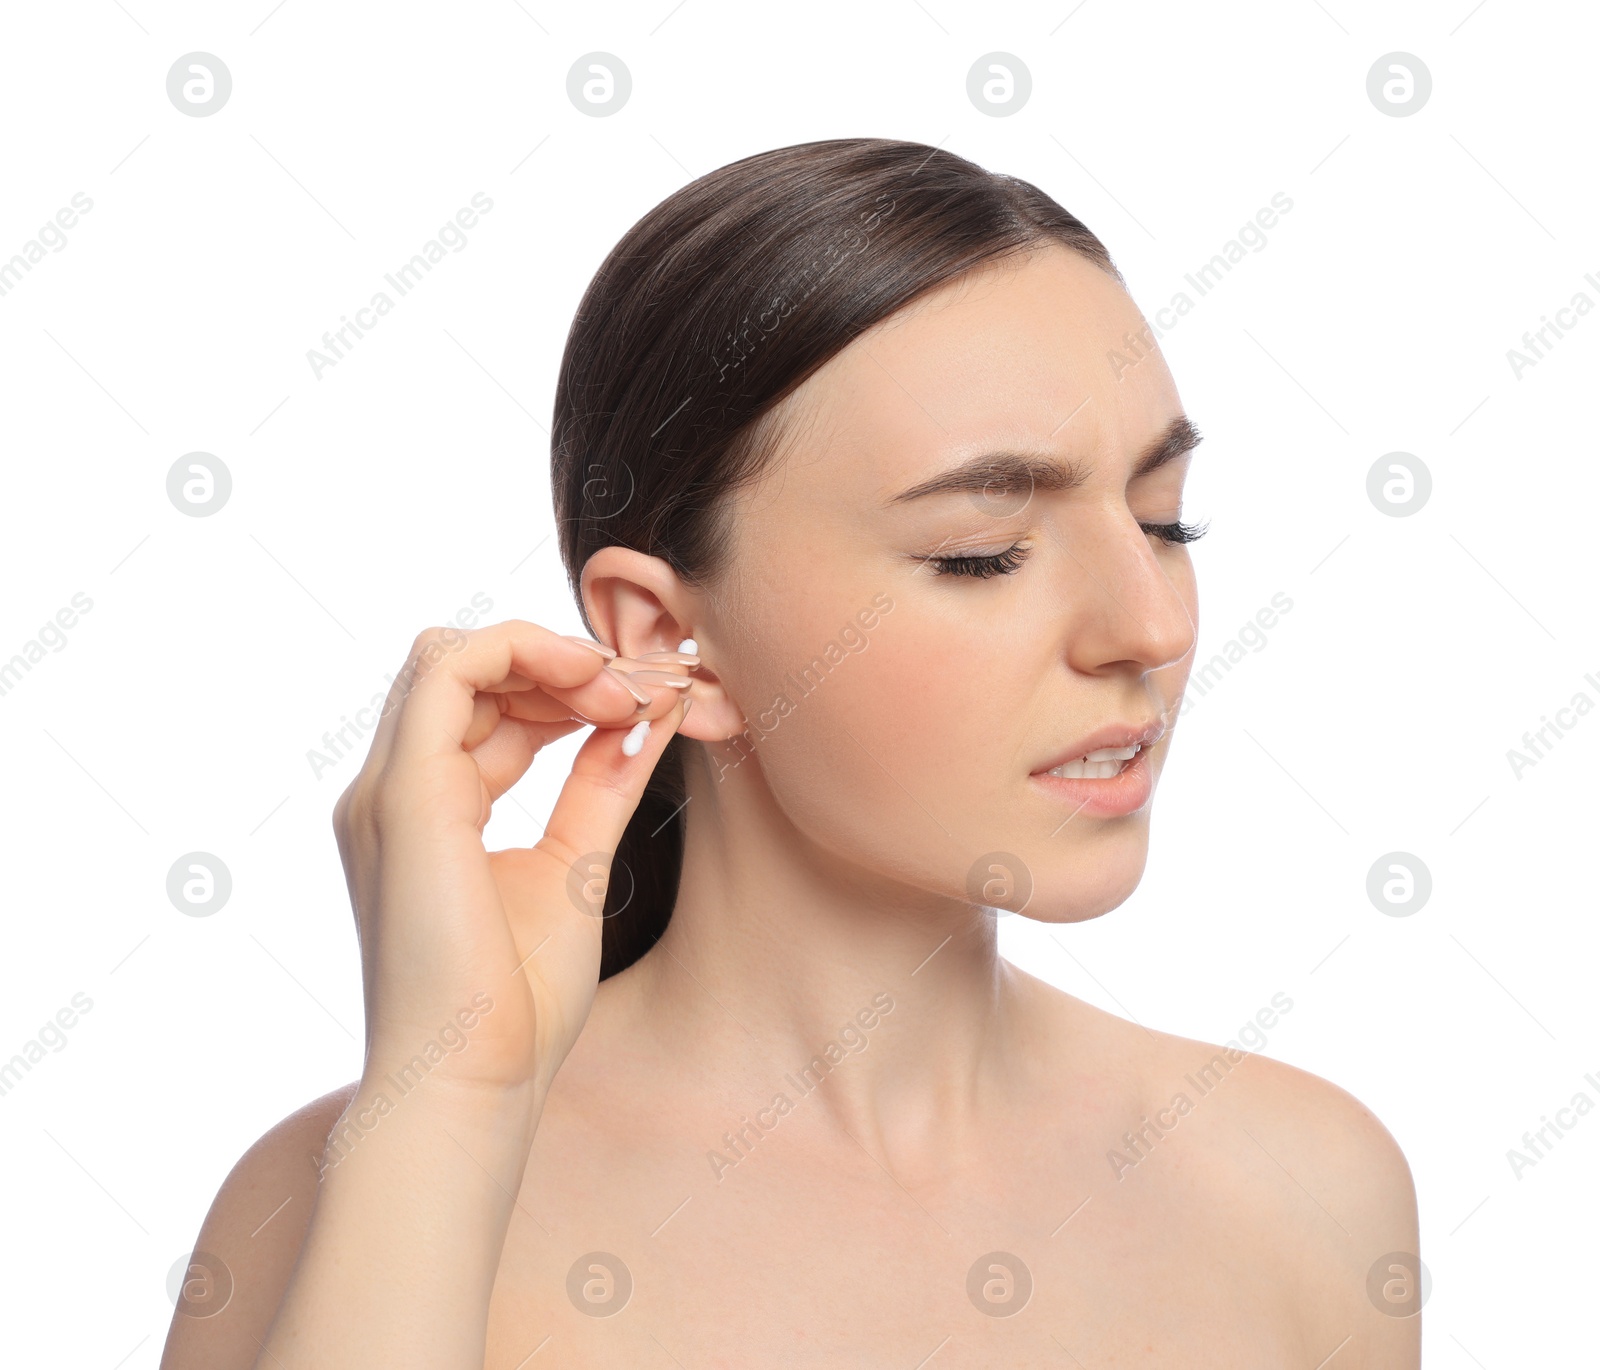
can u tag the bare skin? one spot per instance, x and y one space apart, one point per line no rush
980 1112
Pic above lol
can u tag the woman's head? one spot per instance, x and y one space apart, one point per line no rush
763 380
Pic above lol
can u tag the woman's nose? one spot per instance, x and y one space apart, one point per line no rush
1131 601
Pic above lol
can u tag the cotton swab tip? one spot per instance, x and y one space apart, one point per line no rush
633 743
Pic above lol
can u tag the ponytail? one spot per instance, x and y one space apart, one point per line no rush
643 884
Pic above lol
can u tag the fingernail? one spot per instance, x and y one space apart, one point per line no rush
633 743
688 703
628 685
589 642
671 658
677 682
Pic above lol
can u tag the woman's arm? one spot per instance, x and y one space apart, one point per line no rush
337 1210
405 1237
250 1241
479 971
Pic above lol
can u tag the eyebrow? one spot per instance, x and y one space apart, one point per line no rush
1032 471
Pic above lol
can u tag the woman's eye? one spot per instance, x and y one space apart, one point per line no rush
1007 562
1175 532
999 564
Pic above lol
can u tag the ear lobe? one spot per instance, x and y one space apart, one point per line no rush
714 717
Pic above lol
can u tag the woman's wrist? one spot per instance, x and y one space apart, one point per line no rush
415 1193
391 1087
481 1116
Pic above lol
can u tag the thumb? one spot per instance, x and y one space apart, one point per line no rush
554 899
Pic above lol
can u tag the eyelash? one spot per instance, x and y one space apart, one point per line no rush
1009 561
1176 533
1001 564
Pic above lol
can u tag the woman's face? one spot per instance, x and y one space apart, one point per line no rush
900 712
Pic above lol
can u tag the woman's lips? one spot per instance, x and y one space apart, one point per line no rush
1125 790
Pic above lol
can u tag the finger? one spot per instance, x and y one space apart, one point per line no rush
600 795
548 717
651 660
648 690
487 710
432 701
504 754
547 703
574 857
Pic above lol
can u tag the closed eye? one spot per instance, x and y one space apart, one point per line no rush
999 564
1176 532
1010 561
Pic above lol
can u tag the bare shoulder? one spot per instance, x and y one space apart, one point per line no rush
1320 1186
1253 1106
1315 1121
1270 1176
250 1241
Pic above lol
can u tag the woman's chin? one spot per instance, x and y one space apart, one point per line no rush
1068 896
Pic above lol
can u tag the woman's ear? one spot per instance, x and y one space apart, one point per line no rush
637 604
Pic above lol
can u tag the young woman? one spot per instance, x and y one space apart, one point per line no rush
881 536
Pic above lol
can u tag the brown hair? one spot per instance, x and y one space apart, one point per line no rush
711 309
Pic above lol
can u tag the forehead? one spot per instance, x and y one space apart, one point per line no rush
1015 354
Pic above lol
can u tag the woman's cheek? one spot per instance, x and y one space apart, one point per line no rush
904 702
835 715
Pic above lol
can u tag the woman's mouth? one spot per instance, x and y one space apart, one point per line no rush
1109 782
1097 765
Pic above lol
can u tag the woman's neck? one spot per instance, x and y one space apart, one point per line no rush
785 970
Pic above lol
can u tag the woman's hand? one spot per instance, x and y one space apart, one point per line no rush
499 948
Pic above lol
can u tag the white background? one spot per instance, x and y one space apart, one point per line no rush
382 496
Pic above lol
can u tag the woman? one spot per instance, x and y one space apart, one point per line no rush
881 536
